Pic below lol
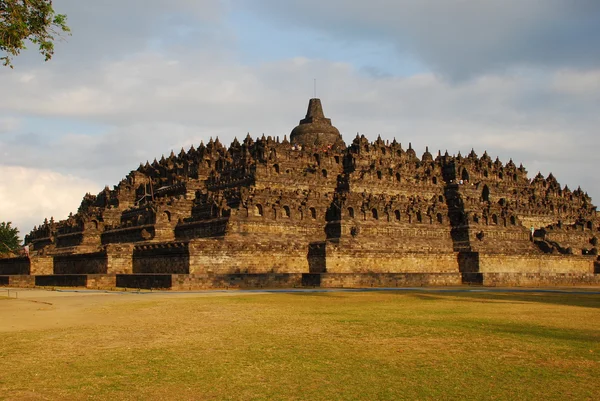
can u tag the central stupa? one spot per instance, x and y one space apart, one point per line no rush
316 130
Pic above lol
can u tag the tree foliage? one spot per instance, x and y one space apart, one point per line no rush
29 20
9 239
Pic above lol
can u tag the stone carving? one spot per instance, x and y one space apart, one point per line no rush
263 205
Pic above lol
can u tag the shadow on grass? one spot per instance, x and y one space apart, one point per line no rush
329 294
554 298
532 330
579 300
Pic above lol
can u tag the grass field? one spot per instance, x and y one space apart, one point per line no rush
307 346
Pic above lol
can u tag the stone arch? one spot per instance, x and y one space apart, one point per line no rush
419 217
375 214
379 175
513 220
167 215
276 168
440 218
590 225
485 194
500 175
397 215
397 177
434 180
286 212
324 173
313 213
494 219
258 210
351 212
465 175
441 198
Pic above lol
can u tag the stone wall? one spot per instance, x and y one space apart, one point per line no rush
247 256
12 266
145 281
41 265
101 281
350 258
169 258
61 280
207 281
21 281
539 264
68 240
120 258
129 234
93 263
391 280
539 279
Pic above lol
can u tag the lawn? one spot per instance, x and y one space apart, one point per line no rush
305 346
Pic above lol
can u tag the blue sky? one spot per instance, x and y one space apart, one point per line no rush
518 78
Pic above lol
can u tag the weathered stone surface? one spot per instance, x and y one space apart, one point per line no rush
12 266
313 211
91 263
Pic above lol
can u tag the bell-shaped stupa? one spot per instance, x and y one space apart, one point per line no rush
315 129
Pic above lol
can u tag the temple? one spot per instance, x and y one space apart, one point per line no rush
313 211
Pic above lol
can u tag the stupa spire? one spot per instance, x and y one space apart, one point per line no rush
315 111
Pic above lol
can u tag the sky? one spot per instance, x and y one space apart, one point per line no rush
519 79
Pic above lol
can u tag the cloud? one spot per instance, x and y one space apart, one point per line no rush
582 83
27 194
457 38
9 124
152 103
165 81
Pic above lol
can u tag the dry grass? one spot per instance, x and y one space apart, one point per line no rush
341 346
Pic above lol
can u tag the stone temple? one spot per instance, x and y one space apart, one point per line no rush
315 211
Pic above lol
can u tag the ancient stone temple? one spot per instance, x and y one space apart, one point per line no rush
314 211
